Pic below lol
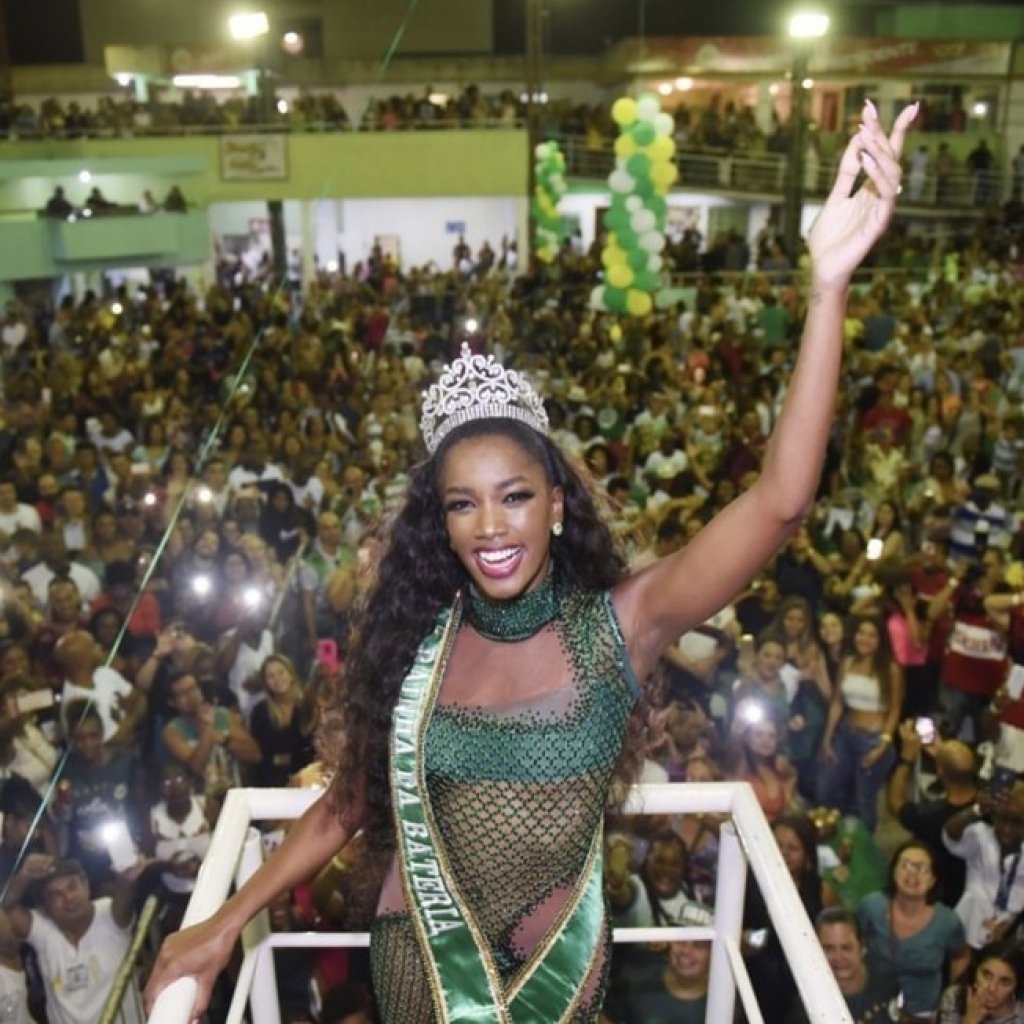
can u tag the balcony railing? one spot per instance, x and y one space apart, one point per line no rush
739 171
764 174
236 851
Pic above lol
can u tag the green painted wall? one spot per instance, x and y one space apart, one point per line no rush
978 22
37 247
336 165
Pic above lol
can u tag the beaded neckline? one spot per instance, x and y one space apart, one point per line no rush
518 619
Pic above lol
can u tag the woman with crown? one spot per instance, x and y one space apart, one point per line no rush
497 663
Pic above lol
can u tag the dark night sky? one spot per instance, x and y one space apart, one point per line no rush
43 31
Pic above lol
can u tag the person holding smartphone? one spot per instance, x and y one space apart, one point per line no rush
923 817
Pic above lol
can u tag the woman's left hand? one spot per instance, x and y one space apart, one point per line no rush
872 757
851 222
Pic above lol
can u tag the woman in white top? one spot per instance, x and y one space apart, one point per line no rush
857 753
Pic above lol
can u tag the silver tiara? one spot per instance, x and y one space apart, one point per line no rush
476 388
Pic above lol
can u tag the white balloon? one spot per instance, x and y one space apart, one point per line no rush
597 298
621 181
648 109
653 241
664 124
558 183
541 150
634 203
642 221
655 263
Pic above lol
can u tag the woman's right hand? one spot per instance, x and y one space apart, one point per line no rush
200 952
827 753
974 1006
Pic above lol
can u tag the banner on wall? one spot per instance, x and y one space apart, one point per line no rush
754 56
253 157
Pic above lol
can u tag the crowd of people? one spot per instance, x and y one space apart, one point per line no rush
191 496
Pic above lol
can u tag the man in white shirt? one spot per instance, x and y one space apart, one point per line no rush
994 858
15 515
109 435
253 468
119 704
15 331
54 562
80 942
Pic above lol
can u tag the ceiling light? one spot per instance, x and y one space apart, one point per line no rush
808 25
248 25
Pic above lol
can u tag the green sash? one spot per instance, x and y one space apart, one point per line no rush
464 980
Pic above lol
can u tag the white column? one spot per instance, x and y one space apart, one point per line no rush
307 245
765 109
1013 126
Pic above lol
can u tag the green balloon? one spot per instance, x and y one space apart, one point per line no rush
637 259
616 219
657 205
644 189
615 299
646 281
644 133
628 239
639 165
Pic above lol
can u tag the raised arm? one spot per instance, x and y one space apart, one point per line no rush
678 592
19 917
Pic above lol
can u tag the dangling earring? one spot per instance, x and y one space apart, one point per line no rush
556 528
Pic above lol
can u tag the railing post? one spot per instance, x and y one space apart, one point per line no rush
729 894
264 1007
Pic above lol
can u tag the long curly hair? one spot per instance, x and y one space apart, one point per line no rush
417 576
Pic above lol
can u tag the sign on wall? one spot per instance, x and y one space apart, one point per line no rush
254 157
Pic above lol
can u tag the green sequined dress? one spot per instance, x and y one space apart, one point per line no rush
518 790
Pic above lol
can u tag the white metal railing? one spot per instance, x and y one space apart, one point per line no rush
236 852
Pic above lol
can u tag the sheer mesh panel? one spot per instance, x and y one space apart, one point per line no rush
518 767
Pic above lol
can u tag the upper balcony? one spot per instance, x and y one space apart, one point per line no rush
214 164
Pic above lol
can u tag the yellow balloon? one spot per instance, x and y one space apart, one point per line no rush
620 276
545 255
663 175
624 111
615 332
609 257
661 148
625 146
639 303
